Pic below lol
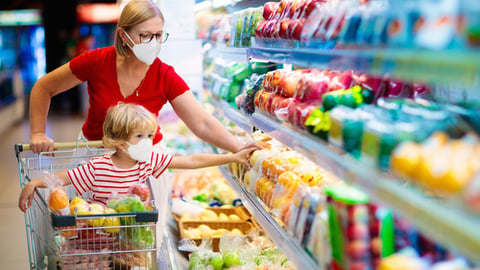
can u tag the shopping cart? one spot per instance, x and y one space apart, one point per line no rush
127 241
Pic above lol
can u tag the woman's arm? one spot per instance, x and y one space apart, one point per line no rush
25 199
204 125
53 83
197 161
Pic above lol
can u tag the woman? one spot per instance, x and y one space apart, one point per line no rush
128 72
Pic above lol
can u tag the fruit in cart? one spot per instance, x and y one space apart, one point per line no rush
216 260
231 258
59 202
96 209
79 206
68 232
112 224
141 190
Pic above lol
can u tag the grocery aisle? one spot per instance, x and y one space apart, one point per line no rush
13 245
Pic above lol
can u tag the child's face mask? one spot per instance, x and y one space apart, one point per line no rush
140 151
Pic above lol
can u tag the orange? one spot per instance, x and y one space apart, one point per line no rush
58 200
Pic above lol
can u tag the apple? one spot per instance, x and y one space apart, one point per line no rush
283 31
231 258
270 10
216 260
259 28
291 110
277 77
357 213
267 102
420 89
288 83
311 88
357 231
398 89
342 81
373 83
281 110
141 190
357 249
295 28
301 113
269 28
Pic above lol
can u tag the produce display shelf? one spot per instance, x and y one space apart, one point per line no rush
449 66
284 242
233 54
446 222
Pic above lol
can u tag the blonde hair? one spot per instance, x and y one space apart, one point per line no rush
123 119
135 12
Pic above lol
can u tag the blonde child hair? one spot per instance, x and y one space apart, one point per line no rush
123 119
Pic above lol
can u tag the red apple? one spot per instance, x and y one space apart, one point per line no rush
281 110
357 249
260 98
259 28
295 29
341 81
311 88
398 89
357 231
267 102
283 31
301 113
269 10
420 89
277 77
292 107
141 190
374 83
288 83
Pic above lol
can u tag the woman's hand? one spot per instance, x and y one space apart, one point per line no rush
40 142
258 145
243 156
26 197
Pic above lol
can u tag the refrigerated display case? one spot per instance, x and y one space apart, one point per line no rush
451 70
22 62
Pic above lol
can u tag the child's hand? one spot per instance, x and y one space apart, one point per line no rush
26 196
243 156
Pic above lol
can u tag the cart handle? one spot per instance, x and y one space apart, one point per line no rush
62 145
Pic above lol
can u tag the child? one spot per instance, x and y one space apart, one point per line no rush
129 129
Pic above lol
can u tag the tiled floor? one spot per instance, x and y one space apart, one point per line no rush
13 243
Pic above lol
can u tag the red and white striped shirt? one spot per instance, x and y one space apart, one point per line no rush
102 178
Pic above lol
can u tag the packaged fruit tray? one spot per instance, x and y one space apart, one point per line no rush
199 230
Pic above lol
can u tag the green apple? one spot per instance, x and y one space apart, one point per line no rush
231 258
216 260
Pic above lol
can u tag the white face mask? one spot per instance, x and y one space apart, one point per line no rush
145 52
141 151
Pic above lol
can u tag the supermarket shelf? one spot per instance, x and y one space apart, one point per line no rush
429 66
447 223
229 53
287 244
231 113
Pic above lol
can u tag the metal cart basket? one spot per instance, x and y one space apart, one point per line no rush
118 240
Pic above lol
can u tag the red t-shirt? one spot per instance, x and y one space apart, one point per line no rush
98 68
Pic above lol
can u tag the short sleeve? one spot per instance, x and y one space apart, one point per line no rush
160 163
82 177
175 85
80 65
